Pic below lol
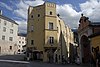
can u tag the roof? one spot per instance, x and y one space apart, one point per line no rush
94 24
95 34
22 34
8 19
49 2
42 4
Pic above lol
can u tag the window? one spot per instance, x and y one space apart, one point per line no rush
4 29
19 37
59 20
23 38
19 41
50 25
19 45
51 40
31 16
32 28
10 47
12 25
32 42
57 29
50 13
11 31
38 15
10 38
22 42
5 23
3 37
18 50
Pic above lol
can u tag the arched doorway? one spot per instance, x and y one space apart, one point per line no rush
85 45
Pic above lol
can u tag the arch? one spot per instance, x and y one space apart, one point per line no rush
85 45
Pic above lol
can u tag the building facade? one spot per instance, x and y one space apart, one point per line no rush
95 46
73 53
21 42
8 35
85 29
47 34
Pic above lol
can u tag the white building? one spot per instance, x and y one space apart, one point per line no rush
21 42
8 35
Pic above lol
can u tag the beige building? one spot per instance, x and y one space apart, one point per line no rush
21 42
47 34
8 35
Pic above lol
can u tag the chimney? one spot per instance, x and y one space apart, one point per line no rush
0 12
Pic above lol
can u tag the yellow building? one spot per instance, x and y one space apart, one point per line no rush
95 44
47 34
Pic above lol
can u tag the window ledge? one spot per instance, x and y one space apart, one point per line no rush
51 29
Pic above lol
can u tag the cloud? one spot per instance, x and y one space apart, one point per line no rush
21 10
21 13
69 15
90 8
22 26
5 6
22 7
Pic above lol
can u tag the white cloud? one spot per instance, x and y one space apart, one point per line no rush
22 7
21 12
68 14
22 26
5 6
34 3
90 8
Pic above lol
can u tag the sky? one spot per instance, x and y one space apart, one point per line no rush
70 10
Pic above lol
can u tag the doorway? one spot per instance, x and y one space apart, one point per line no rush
85 44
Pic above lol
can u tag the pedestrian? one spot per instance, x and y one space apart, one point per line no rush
78 60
